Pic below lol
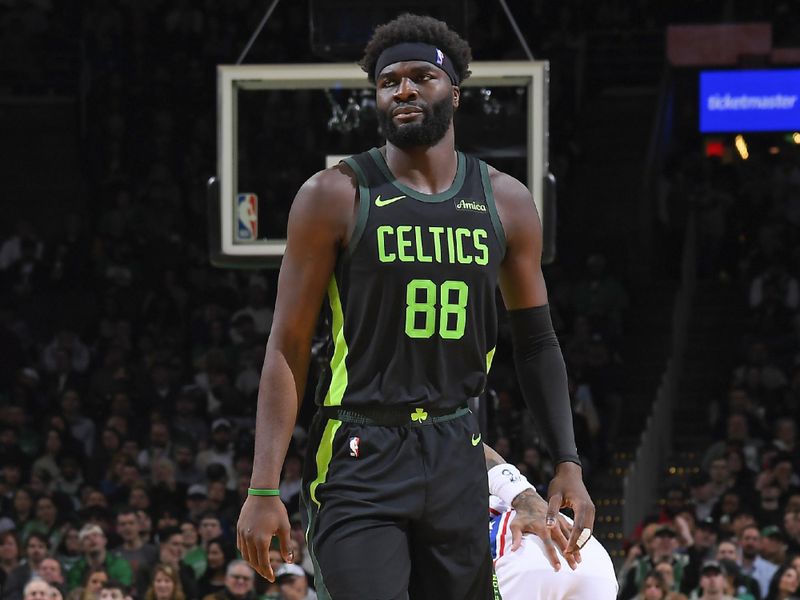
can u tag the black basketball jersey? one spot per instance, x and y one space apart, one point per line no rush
412 297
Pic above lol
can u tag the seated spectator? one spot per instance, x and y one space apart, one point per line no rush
751 562
239 583
36 589
784 585
741 586
664 546
194 554
36 550
210 528
21 507
46 520
701 495
293 583
9 554
50 570
713 583
291 482
170 552
113 590
133 548
165 584
221 450
91 585
69 551
186 472
773 545
653 587
219 554
701 549
95 556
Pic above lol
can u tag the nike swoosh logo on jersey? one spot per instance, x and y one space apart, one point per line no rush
476 440
379 202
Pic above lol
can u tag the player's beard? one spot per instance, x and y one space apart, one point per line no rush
435 122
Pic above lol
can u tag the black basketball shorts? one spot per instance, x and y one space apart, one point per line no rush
397 512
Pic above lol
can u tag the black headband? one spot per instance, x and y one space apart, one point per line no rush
416 51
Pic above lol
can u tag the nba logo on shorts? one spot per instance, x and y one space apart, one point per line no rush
439 57
246 217
354 441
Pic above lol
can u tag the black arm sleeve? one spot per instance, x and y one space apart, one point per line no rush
542 377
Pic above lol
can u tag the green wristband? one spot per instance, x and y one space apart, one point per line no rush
262 492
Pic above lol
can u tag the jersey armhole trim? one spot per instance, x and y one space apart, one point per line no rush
489 194
363 205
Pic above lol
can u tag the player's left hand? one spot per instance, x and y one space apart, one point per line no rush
531 517
567 490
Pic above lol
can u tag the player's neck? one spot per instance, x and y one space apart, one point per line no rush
427 169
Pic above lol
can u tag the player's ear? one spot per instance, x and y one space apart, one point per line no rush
456 96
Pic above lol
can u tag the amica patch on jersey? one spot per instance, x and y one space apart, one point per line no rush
464 204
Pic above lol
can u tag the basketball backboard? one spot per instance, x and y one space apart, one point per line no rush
278 124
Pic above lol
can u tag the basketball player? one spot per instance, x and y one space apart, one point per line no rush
529 566
409 241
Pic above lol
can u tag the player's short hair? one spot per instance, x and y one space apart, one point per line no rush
417 28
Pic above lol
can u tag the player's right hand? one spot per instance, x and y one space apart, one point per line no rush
261 518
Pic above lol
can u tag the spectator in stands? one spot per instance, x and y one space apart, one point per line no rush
791 526
737 432
165 584
113 590
92 583
53 446
50 570
291 482
713 582
80 427
769 506
701 495
36 589
219 554
653 587
758 372
139 554
785 439
186 472
257 306
95 556
21 505
293 583
701 549
784 585
751 562
193 553
239 583
773 545
36 550
159 446
664 546
69 551
186 422
780 474
46 521
9 554
170 552
221 450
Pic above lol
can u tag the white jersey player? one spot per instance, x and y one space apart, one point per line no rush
527 574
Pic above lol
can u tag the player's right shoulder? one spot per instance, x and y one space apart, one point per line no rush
327 197
336 184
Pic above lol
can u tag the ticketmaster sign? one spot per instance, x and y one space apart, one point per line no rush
764 100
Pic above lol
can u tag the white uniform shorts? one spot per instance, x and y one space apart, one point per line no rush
528 575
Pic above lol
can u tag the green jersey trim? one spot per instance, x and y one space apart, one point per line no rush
338 382
324 456
363 205
489 359
454 188
487 191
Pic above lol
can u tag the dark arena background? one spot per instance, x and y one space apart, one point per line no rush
131 348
